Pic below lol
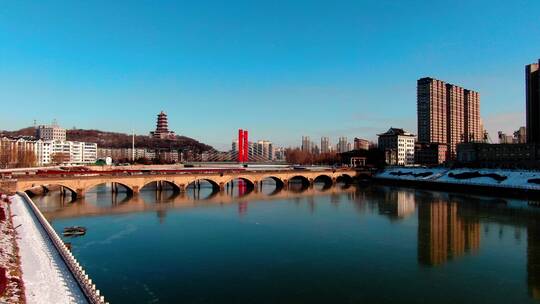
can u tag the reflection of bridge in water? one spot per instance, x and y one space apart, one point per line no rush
125 203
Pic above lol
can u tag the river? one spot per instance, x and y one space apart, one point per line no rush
357 244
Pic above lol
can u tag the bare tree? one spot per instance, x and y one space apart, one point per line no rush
59 158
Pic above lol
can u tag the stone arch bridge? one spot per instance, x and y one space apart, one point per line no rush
80 184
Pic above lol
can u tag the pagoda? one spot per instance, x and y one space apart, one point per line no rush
162 128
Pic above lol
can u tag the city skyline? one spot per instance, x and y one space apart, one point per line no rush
332 64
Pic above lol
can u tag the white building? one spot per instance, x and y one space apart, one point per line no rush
262 150
44 150
74 152
279 154
265 150
398 147
51 132
343 145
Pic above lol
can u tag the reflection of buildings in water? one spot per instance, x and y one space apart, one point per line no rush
397 204
405 204
443 234
533 259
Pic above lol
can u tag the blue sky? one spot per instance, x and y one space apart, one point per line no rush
281 69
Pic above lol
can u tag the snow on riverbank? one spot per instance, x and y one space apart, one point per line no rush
11 287
521 179
46 277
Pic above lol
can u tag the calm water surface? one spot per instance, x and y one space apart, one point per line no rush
370 244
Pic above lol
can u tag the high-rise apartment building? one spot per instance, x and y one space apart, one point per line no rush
447 114
306 144
264 150
532 96
342 145
431 108
325 144
472 124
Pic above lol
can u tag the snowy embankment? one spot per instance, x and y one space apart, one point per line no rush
11 287
46 277
510 179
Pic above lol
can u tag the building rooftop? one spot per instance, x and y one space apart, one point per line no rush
395 131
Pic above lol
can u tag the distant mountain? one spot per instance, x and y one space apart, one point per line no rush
121 140
30 131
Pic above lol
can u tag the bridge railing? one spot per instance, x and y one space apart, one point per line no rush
89 289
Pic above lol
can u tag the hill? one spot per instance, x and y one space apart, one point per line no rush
106 139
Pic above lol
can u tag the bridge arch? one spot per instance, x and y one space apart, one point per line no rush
249 182
298 183
41 189
325 179
279 182
195 182
345 179
114 184
161 184
32 189
269 179
240 186
195 191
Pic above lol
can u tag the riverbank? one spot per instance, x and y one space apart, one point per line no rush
485 181
46 277
11 283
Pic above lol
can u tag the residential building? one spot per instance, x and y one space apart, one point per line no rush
51 132
72 152
265 150
520 135
429 154
279 154
125 154
431 111
342 145
17 152
532 96
447 114
505 139
306 144
25 152
525 155
262 150
315 149
325 145
43 152
398 146
361 144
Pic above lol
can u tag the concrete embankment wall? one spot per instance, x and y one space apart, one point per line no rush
90 291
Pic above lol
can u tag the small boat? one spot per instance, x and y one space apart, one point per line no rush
74 231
